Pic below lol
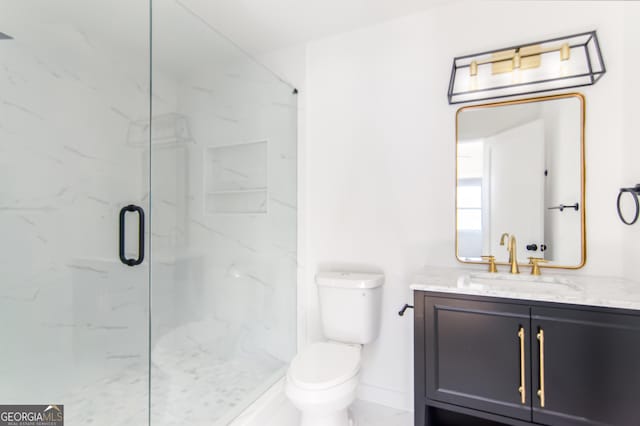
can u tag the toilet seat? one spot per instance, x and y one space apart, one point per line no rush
324 365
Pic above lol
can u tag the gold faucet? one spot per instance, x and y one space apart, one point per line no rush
492 263
511 248
535 264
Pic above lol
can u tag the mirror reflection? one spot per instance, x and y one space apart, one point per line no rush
520 171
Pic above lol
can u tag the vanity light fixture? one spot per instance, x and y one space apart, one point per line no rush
558 63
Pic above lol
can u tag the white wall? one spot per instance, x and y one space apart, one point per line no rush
631 142
379 161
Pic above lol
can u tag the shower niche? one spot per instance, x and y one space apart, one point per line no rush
236 179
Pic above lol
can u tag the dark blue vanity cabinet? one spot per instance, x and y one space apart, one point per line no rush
492 361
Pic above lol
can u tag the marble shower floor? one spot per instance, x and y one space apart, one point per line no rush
200 390
205 391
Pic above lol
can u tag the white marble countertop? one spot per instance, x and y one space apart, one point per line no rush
549 287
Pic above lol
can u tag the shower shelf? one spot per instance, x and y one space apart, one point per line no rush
237 202
163 130
236 178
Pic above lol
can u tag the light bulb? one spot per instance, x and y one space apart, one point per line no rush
516 60
565 52
473 68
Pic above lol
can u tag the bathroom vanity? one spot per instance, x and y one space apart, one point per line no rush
496 349
522 348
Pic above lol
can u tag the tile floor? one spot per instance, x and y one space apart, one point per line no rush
364 413
370 414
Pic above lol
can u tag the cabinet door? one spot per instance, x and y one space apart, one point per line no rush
478 355
590 365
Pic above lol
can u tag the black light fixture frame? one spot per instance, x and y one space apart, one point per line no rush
594 75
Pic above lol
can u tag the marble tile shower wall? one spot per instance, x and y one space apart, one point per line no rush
223 284
246 262
65 171
74 125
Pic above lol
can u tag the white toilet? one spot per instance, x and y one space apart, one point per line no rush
322 379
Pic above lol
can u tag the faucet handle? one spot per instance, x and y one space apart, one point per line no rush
492 263
535 264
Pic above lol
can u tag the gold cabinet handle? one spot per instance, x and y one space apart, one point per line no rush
540 336
521 389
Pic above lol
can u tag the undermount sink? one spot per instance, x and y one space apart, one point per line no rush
516 282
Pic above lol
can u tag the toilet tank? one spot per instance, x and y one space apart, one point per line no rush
350 305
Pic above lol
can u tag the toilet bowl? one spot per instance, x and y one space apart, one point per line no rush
322 382
323 378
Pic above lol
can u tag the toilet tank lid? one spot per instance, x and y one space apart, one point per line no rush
349 279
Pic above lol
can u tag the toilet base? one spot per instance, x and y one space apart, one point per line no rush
336 418
323 406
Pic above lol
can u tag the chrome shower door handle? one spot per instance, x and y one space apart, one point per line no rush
123 213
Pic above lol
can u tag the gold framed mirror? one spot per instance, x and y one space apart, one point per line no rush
520 170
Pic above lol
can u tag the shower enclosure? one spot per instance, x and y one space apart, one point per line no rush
147 214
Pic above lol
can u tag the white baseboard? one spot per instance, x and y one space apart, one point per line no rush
383 396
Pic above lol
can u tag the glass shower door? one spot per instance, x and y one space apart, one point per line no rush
223 168
74 90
